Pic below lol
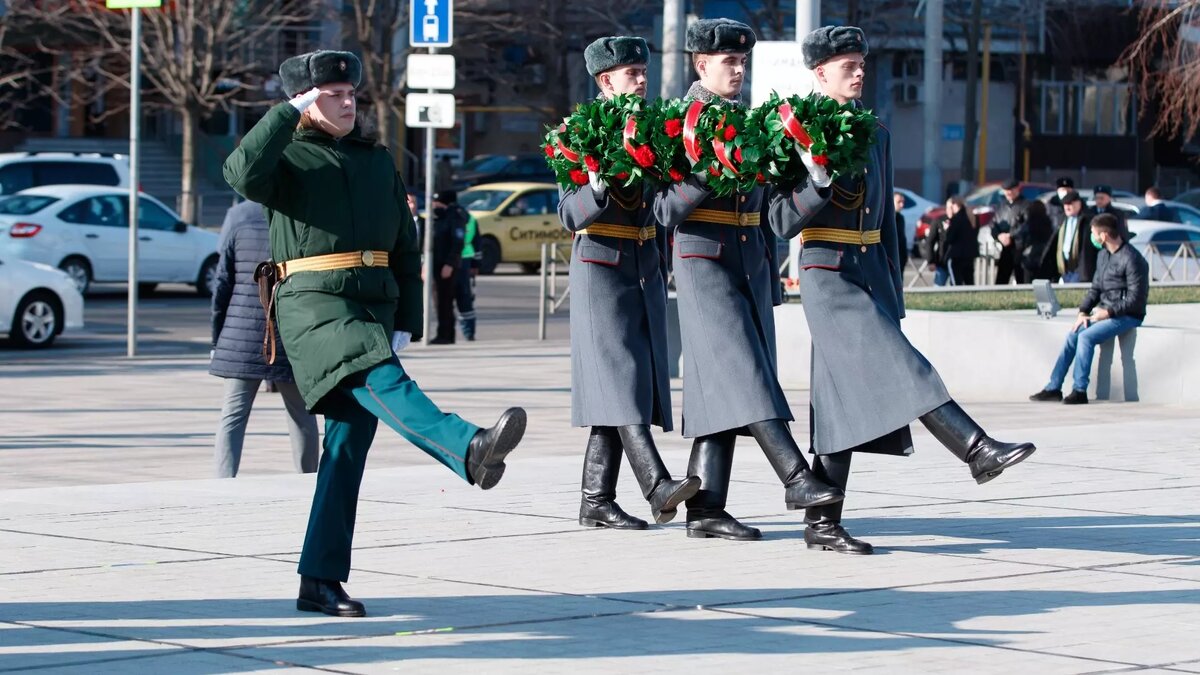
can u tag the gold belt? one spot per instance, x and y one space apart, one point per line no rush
334 261
837 236
621 231
748 219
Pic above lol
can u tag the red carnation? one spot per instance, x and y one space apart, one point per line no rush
730 132
622 176
673 127
579 177
591 163
820 160
714 171
644 156
675 175
549 151
737 155
761 178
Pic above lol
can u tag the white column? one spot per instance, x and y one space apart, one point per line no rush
931 184
808 19
674 61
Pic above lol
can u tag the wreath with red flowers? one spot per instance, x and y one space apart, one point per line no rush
839 136
720 138
606 137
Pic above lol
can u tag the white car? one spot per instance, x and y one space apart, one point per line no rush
84 231
23 170
915 206
37 302
1171 249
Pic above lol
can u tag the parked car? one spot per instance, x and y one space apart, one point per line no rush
23 170
530 167
1191 197
914 207
1188 215
1171 249
84 231
983 202
37 302
514 220
1088 195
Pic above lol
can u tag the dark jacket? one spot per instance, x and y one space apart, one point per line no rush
1038 229
1010 218
1082 256
1122 219
238 321
1122 284
449 235
325 195
1158 212
902 242
961 242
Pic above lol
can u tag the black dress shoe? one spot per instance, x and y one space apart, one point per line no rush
441 341
666 498
720 525
1047 395
1076 397
327 597
835 538
807 490
489 447
608 514
986 456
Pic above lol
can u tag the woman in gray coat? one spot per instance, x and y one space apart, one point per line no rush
868 382
238 326
619 379
728 285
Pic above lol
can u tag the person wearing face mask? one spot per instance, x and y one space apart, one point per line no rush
728 283
449 235
868 382
1062 186
620 383
345 291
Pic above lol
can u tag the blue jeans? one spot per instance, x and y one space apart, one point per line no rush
941 276
1080 347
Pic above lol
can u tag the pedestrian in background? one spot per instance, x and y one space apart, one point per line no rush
1008 228
1155 209
1071 253
961 246
1038 231
464 287
449 232
1104 204
238 327
901 232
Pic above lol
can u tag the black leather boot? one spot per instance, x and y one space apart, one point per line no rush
327 597
665 495
489 447
712 461
601 463
987 457
825 531
803 488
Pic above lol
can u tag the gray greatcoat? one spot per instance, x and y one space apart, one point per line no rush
619 372
868 381
728 284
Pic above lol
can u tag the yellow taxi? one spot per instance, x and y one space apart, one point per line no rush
515 219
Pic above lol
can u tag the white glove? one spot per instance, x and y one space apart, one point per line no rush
400 340
820 177
598 185
301 101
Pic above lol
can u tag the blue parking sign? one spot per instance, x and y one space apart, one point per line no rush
432 23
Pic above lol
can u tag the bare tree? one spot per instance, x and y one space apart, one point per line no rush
1165 59
198 56
376 28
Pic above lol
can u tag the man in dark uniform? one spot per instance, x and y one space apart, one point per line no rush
1008 228
868 382
347 299
449 233
1062 186
728 284
620 384
1103 195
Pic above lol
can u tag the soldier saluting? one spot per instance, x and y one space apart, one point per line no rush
868 382
619 379
726 276
348 298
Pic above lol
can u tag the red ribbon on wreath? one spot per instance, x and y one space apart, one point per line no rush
571 156
691 146
641 154
792 127
721 150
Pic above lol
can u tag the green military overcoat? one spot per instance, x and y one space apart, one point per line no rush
325 195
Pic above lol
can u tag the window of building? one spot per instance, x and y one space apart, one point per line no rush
1084 108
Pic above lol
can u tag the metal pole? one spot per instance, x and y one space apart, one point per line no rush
931 184
542 296
673 68
428 257
808 19
135 109
985 84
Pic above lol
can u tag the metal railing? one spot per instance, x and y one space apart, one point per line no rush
552 254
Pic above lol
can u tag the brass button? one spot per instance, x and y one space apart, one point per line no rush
643 205
867 210
863 249
368 258
743 199
743 237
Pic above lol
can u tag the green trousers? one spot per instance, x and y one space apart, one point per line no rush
383 392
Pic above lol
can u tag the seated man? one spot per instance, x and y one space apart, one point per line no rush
1115 303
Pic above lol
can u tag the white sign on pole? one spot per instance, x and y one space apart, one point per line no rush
430 71
429 111
779 67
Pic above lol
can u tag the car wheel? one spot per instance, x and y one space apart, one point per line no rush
489 254
206 282
530 268
38 320
80 272
146 289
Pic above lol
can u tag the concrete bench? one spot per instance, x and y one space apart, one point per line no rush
1127 341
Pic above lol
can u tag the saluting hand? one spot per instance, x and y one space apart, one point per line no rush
301 102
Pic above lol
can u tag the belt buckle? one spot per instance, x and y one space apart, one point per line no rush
644 233
368 258
743 219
